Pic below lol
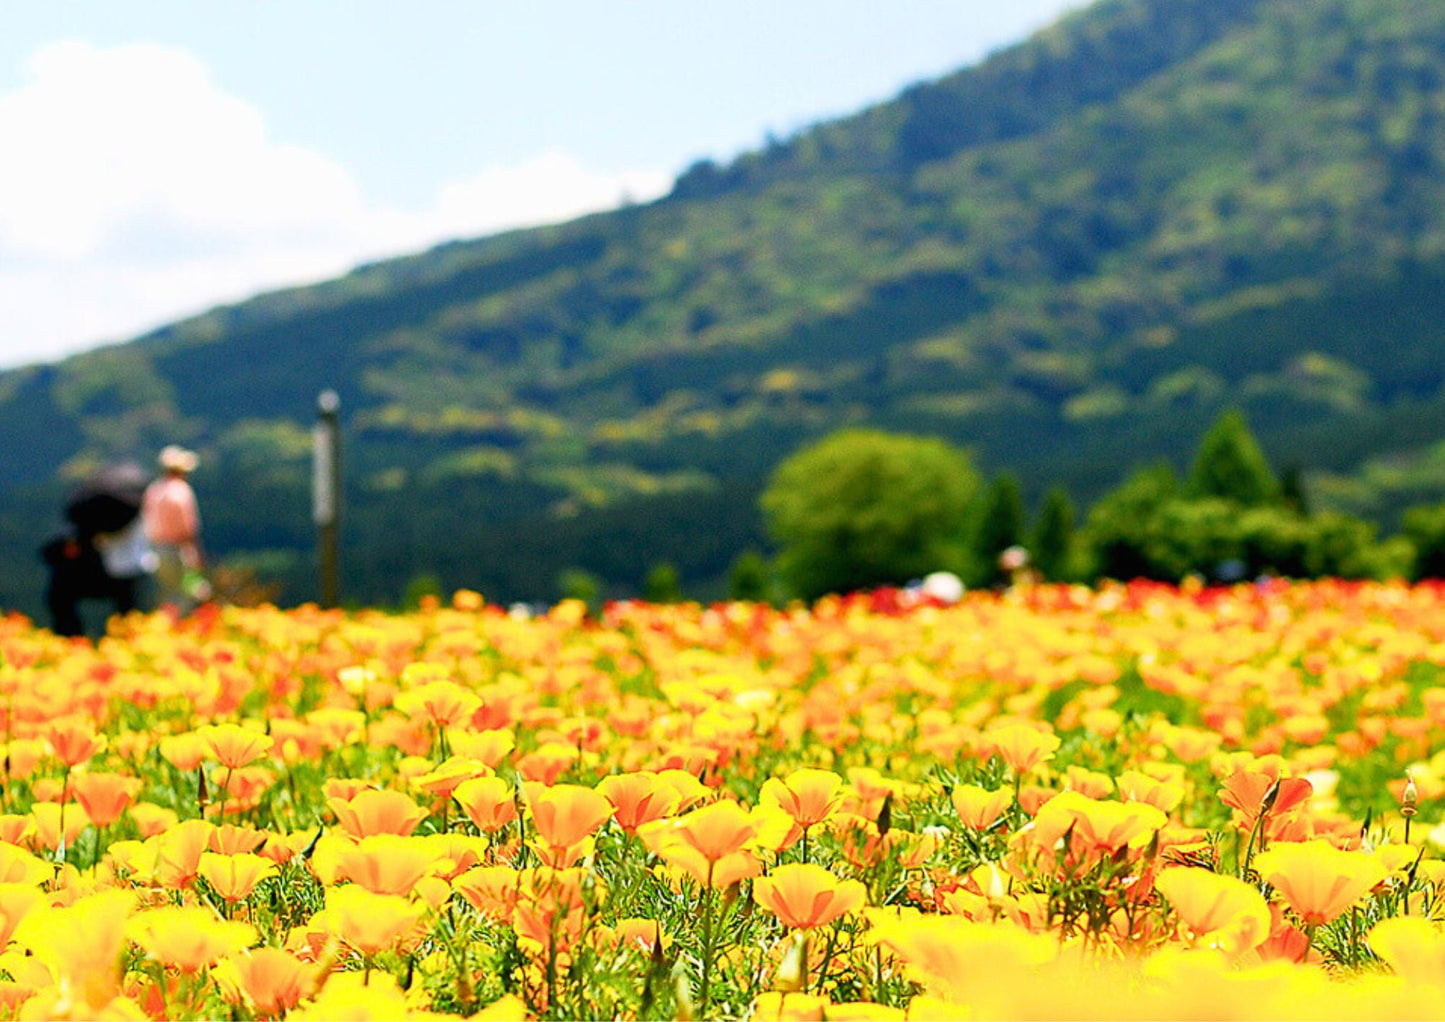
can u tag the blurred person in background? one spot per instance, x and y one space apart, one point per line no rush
173 526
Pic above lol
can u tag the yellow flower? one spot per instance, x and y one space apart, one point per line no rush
188 938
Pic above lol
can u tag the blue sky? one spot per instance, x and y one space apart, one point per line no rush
163 156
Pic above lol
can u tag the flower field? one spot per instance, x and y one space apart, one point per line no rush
1131 802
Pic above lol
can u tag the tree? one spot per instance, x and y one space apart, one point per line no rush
1000 526
1054 536
662 585
1230 465
750 578
1424 527
863 508
1117 532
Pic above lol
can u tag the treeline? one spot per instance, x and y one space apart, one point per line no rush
864 508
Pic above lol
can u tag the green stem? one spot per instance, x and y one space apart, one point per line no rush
707 906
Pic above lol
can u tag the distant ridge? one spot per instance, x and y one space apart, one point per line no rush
1069 257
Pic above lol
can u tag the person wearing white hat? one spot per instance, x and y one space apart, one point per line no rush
173 525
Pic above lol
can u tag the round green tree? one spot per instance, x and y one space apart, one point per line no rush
864 508
1230 465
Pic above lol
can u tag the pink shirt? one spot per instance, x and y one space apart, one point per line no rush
171 516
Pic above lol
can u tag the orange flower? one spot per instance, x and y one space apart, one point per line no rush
387 863
73 740
234 746
492 890
551 907
442 704
1413 947
979 808
1101 826
1223 910
1021 746
18 866
49 817
229 839
489 802
151 819
805 896
709 843
15 901
638 798
81 945
808 796
178 858
370 922
273 980
377 812
1134 786
443 781
1246 790
105 796
189 938
1318 880
234 877
565 815
183 751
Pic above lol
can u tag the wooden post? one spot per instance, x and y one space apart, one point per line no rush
326 491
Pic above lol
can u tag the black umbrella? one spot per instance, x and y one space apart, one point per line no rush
109 500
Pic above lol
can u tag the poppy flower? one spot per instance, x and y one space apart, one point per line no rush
188 938
81 945
489 802
977 807
638 798
104 796
179 851
15 901
1412 946
1102 826
273 980
442 704
1246 792
49 818
1318 880
443 781
1021 746
234 877
234 746
808 796
387 863
805 896
491 890
1221 910
564 816
370 922
73 740
710 844
377 812
184 751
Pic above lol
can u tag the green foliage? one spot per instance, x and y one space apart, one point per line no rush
419 587
662 585
1000 525
1425 529
1053 538
750 578
1229 465
578 584
864 508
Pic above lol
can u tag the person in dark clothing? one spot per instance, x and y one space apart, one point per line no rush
102 554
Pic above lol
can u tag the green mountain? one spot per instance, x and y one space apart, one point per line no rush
1067 258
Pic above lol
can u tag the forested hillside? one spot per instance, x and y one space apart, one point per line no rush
1068 258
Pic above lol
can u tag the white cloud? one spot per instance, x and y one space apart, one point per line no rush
133 191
